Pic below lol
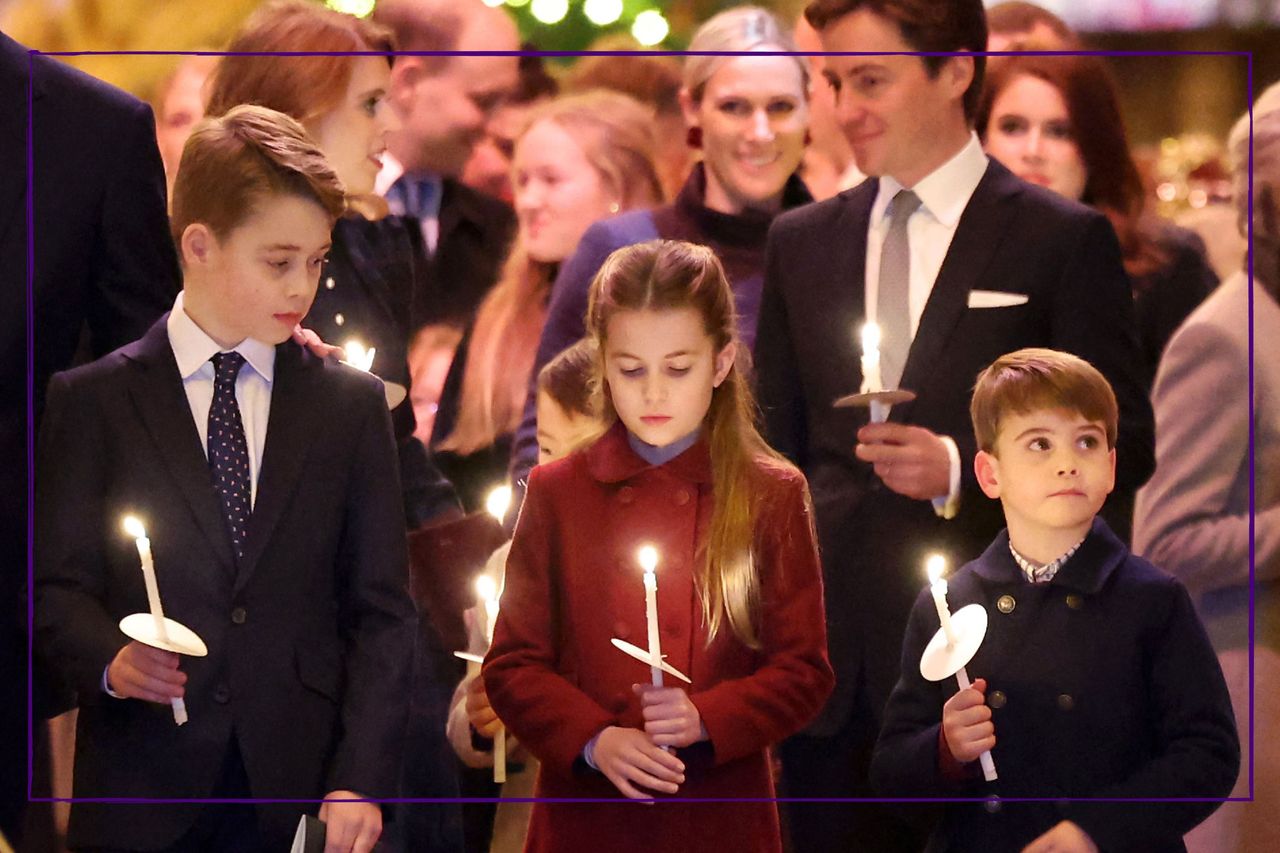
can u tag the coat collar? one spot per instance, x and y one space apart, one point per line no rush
611 460
1087 571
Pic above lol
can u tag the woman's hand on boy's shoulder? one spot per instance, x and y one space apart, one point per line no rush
628 758
309 339
1066 837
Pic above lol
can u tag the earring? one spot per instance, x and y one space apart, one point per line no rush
614 207
808 138
693 137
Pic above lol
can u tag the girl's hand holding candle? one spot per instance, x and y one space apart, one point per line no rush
670 717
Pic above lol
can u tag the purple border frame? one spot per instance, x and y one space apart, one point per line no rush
30 327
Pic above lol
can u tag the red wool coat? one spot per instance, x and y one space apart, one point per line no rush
573 582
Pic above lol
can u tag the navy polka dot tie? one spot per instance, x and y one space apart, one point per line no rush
228 451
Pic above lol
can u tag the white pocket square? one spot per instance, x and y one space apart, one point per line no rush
995 299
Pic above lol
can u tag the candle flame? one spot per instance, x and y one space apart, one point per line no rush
870 338
359 357
486 589
935 566
648 556
498 502
133 526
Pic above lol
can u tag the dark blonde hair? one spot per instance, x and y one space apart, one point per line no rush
1036 379
617 140
663 275
569 378
230 163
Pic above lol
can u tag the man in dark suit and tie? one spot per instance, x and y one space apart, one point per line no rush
444 103
958 262
267 480
102 263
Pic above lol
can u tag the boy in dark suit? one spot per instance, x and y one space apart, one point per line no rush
1095 678
267 480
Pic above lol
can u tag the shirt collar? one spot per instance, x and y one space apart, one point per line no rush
391 171
192 347
945 191
1036 573
612 460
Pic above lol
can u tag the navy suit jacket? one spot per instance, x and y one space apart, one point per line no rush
310 633
1102 683
1012 237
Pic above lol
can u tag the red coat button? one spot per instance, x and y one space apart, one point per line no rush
626 494
620 630
682 497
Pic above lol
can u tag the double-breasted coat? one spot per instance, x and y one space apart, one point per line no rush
573 583
1102 684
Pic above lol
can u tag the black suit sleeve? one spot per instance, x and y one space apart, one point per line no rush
135 265
73 629
376 614
777 375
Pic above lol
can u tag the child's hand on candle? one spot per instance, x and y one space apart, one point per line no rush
1066 837
966 723
629 758
479 712
352 827
670 717
143 672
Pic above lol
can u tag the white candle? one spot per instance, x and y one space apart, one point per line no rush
871 381
935 566
134 528
498 502
649 562
487 595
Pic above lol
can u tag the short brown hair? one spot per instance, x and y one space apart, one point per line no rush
232 162
1019 17
1034 379
569 378
932 26
305 87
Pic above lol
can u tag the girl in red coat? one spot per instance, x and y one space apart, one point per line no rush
681 467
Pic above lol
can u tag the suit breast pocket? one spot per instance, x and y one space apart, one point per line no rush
320 670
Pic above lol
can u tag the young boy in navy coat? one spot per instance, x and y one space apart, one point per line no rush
267 481
1095 679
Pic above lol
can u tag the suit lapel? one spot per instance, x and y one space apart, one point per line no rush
157 393
14 117
291 428
978 236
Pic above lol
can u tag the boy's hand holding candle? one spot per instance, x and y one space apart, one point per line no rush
479 712
966 723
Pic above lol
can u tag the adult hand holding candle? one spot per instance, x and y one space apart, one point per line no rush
133 526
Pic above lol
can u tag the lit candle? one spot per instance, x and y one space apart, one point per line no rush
359 357
935 566
871 381
498 501
133 526
649 562
487 593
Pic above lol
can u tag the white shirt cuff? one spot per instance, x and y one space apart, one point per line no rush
589 751
106 687
946 506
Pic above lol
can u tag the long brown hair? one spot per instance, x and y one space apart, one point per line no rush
669 275
614 132
1113 184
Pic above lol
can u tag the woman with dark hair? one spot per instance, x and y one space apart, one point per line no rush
748 116
1055 121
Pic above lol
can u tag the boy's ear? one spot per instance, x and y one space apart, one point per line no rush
724 362
197 243
987 469
1111 485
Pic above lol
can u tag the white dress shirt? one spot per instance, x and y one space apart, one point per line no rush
428 224
193 349
944 193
